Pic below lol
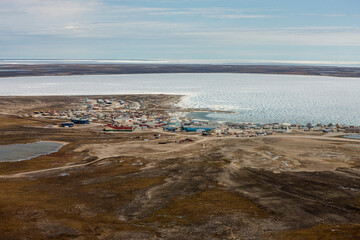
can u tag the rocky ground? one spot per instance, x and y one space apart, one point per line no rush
117 186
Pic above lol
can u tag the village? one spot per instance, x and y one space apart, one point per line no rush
117 115
141 159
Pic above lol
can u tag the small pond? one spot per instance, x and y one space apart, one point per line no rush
21 152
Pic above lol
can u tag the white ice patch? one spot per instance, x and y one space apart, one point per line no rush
256 98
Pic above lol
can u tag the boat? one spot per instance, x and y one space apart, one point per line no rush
120 128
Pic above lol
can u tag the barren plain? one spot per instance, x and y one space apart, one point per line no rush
117 186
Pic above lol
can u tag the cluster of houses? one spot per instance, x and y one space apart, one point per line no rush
121 115
253 130
287 127
102 111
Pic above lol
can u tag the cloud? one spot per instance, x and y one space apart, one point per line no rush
304 36
54 8
40 16
95 19
223 13
213 29
239 16
324 14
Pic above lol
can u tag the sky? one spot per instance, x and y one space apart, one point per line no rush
233 30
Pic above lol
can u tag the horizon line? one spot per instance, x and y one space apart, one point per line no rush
189 61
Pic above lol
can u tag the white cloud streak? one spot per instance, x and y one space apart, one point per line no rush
94 19
311 36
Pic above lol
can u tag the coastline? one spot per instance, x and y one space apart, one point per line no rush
150 178
62 144
250 98
170 103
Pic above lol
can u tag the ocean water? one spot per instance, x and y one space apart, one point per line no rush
258 98
20 152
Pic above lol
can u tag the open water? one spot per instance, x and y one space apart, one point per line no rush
20 152
258 98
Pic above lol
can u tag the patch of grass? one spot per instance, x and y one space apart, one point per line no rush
10 122
119 191
323 232
262 148
197 208
83 204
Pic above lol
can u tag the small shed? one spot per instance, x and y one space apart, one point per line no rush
67 124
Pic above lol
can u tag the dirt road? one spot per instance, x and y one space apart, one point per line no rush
148 149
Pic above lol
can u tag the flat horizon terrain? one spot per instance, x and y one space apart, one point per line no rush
118 186
17 70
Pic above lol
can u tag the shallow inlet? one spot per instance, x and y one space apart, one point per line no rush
352 136
27 151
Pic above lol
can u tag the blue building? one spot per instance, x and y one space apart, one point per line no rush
80 120
68 124
193 128
172 126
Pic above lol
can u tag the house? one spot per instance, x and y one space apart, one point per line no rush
67 124
80 120
152 124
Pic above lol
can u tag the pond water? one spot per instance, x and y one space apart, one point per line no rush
352 136
21 152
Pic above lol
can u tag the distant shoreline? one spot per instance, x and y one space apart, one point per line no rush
32 70
20 106
256 98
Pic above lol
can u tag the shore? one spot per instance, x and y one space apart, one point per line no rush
116 185
17 105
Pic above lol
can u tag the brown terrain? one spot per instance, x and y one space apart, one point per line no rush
117 186
18 70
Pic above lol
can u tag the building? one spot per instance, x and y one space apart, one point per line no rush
80 120
67 124
152 124
352 130
194 128
121 128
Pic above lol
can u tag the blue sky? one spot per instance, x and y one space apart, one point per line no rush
252 30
